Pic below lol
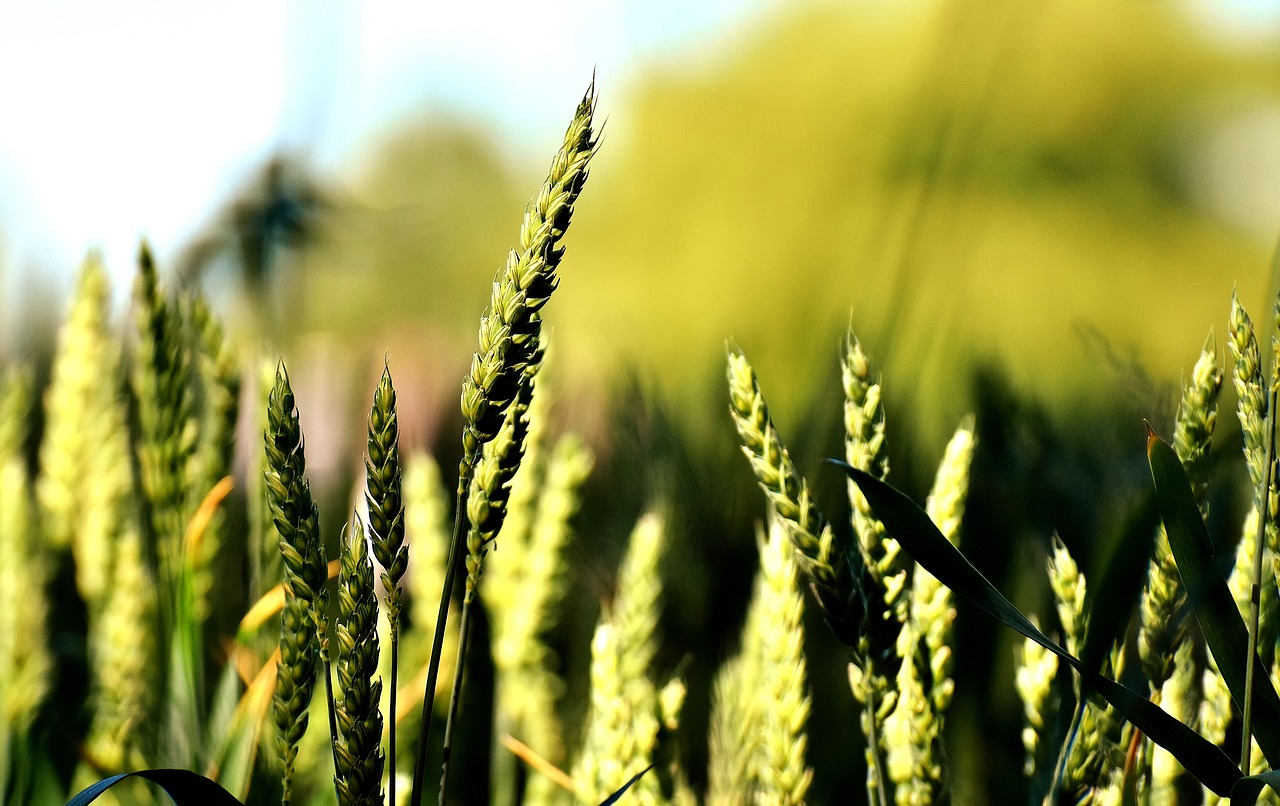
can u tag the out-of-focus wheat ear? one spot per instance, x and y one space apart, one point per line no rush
84 365
817 553
124 655
26 664
527 581
623 716
383 495
297 521
932 612
1163 625
164 415
1037 668
426 516
733 735
85 483
358 775
216 371
780 771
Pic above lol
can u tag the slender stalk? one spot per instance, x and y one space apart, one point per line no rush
881 779
437 642
455 697
1255 591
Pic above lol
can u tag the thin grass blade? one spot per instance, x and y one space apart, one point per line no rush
612 799
1122 577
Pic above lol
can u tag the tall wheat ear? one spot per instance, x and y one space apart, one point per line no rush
385 504
508 348
1165 648
297 521
358 772
85 485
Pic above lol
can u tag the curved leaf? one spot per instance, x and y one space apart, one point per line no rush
1210 598
1247 789
185 787
915 532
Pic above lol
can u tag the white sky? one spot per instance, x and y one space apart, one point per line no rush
139 116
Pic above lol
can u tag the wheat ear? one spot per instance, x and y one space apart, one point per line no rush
26 664
781 776
383 495
297 521
358 772
622 722
1037 669
84 487
1164 648
913 730
508 344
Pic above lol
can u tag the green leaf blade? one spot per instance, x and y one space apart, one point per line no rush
1210 598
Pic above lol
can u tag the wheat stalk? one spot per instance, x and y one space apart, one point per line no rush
510 330
358 771
297 521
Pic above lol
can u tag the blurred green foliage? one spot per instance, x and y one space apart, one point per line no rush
970 182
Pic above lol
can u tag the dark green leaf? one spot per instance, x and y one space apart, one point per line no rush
915 532
185 787
1116 585
1210 598
1247 789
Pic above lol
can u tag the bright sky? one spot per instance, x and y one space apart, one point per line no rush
139 116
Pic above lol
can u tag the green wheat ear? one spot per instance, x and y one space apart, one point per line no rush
358 775
297 521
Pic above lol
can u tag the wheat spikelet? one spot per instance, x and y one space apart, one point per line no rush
296 520
527 583
358 776
491 482
383 493
913 729
511 324
1162 629
84 485
266 566
1163 647
622 723
818 556
1034 680
865 450
779 764
124 655
427 531
165 415
733 734
26 664
216 372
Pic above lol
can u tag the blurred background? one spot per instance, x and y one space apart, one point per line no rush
1034 212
